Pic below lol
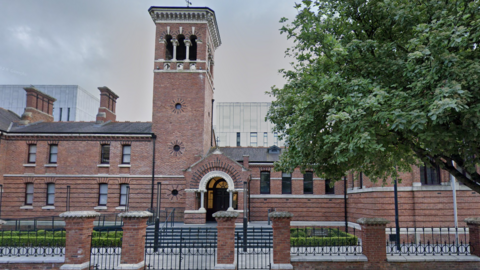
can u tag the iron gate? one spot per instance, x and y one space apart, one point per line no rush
181 248
258 250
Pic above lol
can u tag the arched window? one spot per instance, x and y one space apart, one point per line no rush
193 48
181 49
168 48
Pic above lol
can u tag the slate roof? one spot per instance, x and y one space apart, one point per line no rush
7 117
256 154
84 127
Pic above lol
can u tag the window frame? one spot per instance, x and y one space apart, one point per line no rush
27 193
309 181
51 154
49 194
265 139
286 183
329 190
253 135
267 181
275 138
124 154
238 138
100 194
424 173
125 195
30 154
102 154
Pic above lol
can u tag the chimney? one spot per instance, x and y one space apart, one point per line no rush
39 107
108 103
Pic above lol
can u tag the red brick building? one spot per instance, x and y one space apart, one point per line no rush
40 160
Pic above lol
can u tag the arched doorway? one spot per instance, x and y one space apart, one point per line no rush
217 198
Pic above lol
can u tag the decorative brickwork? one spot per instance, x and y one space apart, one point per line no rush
218 164
281 239
374 239
133 242
225 237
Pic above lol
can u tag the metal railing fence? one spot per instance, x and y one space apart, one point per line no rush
30 243
106 249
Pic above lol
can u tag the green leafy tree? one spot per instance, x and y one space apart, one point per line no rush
379 85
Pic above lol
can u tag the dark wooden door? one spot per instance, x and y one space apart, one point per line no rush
220 198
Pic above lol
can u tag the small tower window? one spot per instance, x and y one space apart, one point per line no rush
193 49
168 48
181 49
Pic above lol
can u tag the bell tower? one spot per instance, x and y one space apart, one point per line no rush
185 43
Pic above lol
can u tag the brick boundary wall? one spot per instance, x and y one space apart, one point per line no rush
225 239
133 242
281 239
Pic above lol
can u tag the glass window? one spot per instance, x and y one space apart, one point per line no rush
275 138
53 153
265 183
308 183
105 155
32 153
238 138
361 180
126 154
123 193
235 201
286 183
102 194
265 139
429 175
29 194
50 194
329 189
253 139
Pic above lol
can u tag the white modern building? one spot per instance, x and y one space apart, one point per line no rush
73 102
243 124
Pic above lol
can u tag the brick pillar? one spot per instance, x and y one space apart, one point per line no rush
78 227
225 239
281 239
373 239
133 242
474 234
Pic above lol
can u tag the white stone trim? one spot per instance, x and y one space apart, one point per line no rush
135 214
93 175
120 208
210 175
103 165
50 165
431 258
29 165
26 207
100 207
75 266
199 211
294 196
48 207
124 165
225 266
283 266
404 189
135 266
80 214
333 258
27 260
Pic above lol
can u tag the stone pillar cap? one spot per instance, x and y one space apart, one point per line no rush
280 215
373 221
225 214
80 214
2 222
472 221
135 214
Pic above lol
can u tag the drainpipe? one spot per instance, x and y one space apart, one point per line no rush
345 202
154 138
454 191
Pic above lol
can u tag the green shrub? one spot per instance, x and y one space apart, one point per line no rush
323 241
20 241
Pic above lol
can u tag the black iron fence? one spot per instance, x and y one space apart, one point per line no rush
181 248
429 241
30 243
321 241
256 253
108 222
163 216
106 249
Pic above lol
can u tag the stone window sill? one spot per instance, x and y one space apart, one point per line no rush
48 207
124 166
100 208
50 165
120 208
103 165
29 165
26 207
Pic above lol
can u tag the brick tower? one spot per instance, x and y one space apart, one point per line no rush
186 39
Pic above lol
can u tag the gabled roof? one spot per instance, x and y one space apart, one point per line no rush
85 127
6 118
256 154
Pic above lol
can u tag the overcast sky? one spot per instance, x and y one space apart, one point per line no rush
95 43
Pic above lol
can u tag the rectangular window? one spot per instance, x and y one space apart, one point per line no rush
275 138
29 194
308 183
329 189
253 139
68 114
265 139
52 157
50 194
105 155
102 194
126 152
286 183
123 194
32 153
429 175
60 118
264 182
238 138
361 180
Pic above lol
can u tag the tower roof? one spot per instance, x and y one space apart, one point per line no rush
161 14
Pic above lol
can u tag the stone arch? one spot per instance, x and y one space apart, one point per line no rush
203 183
